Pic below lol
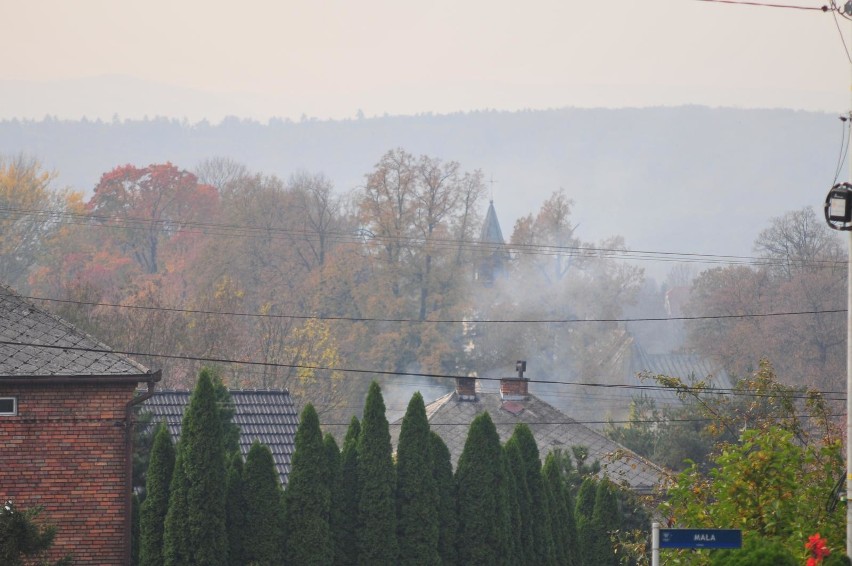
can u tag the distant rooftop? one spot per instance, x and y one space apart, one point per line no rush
450 417
268 416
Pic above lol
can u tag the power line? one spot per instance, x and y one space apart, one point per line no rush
434 321
614 386
362 236
823 8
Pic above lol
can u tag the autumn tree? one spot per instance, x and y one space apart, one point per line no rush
27 202
412 209
151 208
802 270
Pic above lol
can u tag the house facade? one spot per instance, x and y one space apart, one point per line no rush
66 411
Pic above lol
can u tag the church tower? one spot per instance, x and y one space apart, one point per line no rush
494 258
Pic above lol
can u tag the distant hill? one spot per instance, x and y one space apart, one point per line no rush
686 179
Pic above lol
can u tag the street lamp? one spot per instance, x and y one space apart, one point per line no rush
838 207
838 215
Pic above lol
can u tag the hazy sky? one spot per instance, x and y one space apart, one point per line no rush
329 58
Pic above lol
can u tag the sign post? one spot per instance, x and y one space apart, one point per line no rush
692 538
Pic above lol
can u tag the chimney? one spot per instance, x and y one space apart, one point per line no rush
466 388
515 388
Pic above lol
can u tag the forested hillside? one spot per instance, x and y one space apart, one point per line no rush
681 179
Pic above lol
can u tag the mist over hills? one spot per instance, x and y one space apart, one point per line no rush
685 179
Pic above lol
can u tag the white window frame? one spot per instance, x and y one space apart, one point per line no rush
14 412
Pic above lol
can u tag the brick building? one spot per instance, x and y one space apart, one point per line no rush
66 404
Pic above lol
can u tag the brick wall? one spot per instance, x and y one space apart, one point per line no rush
65 451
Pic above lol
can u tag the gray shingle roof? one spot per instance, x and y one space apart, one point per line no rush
265 415
552 429
24 323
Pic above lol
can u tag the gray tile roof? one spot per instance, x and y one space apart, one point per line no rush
552 429
23 323
682 365
265 415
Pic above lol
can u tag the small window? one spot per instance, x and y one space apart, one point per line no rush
8 406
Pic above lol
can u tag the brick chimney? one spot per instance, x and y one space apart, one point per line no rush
515 388
466 388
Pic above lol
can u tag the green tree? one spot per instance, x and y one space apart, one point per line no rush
416 492
585 508
262 492
377 542
543 548
152 517
134 530
203 487
482 497
334 480
23 538
345 530
562 512
767 484
521 503
606 519
442 467
235 512
756 551
307 499
176 527
230 431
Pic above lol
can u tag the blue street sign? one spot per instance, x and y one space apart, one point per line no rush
701 538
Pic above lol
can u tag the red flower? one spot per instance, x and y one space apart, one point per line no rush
818 549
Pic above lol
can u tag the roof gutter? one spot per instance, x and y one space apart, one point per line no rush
77 379
153 378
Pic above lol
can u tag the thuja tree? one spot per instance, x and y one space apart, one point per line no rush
561 512
416 492
344 530
307 499
521 508
583 511
262 493
152 516
376 533
482 497
332 480
606 519
442 470
235 512
543 548
176 528
201 490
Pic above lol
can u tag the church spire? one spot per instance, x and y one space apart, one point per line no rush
495 258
